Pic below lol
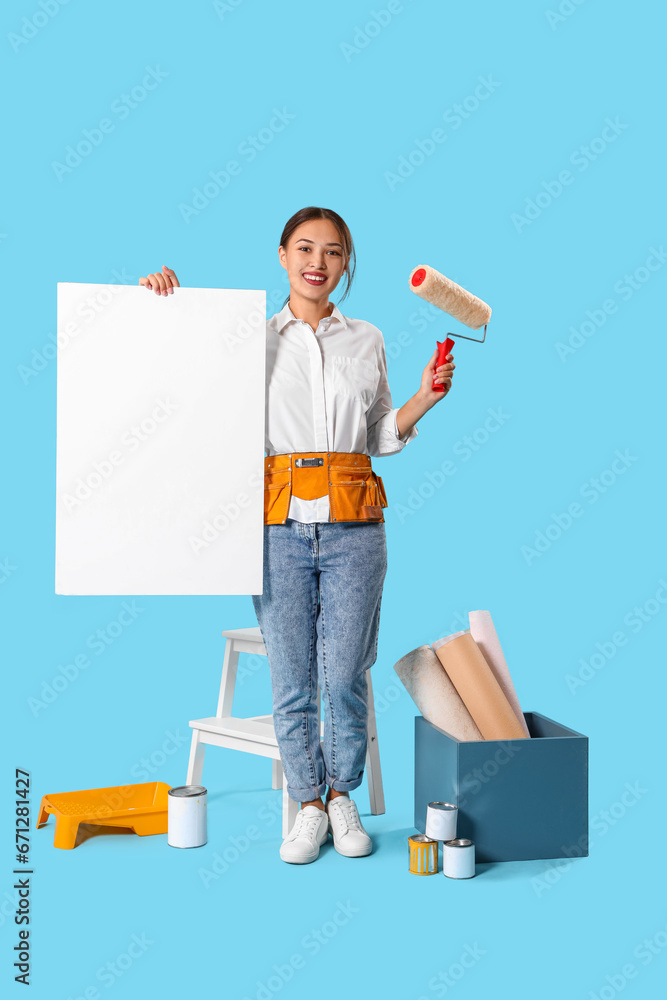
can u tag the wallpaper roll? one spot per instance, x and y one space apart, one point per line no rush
447 638
480 691
483 632
434 694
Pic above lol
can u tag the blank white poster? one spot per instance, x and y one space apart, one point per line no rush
160 440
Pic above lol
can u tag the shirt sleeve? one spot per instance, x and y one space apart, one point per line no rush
382 429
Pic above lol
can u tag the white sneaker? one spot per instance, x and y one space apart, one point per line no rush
302 844
349 836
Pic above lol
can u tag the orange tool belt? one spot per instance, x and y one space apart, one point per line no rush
356 493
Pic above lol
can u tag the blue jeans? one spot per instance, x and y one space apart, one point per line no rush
319 617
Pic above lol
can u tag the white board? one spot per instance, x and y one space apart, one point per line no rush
160 440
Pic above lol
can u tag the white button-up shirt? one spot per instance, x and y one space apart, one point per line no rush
327 391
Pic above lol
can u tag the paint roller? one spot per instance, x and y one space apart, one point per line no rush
440 291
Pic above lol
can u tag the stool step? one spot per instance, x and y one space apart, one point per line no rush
260 728
246 640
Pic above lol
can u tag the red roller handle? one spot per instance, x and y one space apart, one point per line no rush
443 350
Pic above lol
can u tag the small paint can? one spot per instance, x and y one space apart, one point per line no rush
458 858
441 820
423 855
186 816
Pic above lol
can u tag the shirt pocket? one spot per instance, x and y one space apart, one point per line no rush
355 377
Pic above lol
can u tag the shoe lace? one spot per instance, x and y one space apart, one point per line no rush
347 810
305 826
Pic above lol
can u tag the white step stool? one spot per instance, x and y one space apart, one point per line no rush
256 734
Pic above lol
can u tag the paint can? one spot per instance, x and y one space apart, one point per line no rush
186 816
458 858
441 820
423 855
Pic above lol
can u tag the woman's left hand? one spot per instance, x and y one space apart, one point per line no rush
442 374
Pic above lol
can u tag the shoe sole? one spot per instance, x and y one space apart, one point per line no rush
306 860
359 853
300 861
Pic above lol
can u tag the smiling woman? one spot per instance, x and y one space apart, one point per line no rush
328 410
320 252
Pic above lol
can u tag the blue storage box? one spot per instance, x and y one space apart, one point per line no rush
518 800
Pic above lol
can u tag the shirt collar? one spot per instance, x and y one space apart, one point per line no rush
286 316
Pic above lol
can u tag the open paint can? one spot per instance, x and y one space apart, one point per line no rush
458 858
186 816
423 855
441 820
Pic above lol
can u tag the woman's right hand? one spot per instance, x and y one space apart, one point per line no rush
161 284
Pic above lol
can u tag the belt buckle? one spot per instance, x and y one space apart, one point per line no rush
308 462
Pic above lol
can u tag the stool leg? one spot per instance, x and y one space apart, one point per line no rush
373 769
276 774
290 809
196 762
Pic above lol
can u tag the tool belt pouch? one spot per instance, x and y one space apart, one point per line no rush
355 492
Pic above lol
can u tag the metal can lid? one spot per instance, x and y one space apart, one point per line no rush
187 791
421 838
442 805
458 843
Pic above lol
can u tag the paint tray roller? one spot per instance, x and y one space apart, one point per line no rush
444 293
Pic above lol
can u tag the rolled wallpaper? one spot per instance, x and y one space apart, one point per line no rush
483 632
480 692
434 694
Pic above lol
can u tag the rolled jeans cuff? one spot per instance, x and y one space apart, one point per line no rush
344 786
307 794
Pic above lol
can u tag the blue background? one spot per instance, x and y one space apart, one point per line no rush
362 99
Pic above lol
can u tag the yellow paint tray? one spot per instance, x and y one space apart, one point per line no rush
141 808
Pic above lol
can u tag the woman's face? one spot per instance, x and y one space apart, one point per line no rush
314 252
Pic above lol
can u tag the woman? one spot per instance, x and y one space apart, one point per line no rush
329 409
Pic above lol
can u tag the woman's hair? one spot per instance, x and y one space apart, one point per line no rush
313 212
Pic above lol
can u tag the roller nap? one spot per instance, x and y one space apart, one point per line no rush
440 291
